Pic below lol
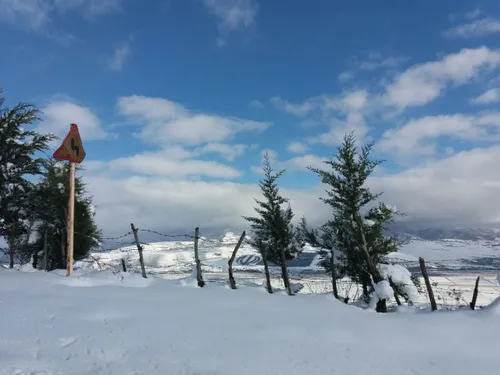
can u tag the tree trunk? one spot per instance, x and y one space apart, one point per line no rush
284 272
395 289
263 252
381 304
35 259
334 277
63 250
11 253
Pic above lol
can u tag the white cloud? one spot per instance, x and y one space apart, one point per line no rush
38 15
172 165
458 190
227 151
297 147
301 109
168 205
355 122
422 83
90 7
488 97
165 122
473 14
301 163
27 13
342 113
120 55
476 28
376 61
59 114
256 104
345 77
232 15
420 136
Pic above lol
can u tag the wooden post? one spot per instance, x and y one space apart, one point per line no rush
427 283
139 248
232 282
474 296
71 220
199 276
12 247
124 267
334 277
263 252
46 250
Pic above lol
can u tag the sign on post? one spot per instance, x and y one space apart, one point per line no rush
71 150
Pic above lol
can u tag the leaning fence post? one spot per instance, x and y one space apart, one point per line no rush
232 282
139 248
427 283
474 296
199 276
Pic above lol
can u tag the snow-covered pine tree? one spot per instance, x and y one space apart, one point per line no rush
18 149
50 212
360 239
272 231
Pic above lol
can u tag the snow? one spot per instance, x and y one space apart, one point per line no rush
384 290
120 324
400 276
445 250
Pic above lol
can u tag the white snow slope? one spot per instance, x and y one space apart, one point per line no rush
119 324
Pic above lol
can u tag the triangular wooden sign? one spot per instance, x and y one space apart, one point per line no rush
71 148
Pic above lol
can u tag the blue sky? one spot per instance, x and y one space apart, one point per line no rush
177 100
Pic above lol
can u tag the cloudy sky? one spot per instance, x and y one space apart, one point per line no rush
176 101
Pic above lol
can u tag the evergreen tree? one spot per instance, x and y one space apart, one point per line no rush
360 239
18 149
50 214
273 232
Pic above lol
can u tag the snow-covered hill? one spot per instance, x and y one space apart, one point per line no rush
115 324
176 257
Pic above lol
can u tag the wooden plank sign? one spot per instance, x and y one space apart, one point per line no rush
71 148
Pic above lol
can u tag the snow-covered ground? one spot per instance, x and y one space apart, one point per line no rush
106 323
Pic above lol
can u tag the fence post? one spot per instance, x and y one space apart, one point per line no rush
139 248
232 282
474 296
427 283
199 276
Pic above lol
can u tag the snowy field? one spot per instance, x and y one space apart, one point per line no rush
103 323
453 266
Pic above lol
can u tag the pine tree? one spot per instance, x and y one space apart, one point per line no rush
273 232
359 238
18 149
50 213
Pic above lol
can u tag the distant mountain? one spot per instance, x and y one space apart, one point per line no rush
433 234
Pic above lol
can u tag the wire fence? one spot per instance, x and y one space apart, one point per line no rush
449 291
